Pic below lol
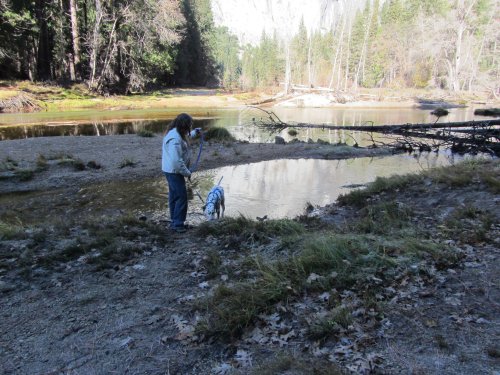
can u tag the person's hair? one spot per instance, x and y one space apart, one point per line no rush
183 124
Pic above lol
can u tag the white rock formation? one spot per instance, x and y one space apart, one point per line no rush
248 18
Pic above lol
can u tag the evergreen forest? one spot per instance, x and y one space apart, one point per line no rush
126 46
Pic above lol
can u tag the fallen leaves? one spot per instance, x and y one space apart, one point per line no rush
186 330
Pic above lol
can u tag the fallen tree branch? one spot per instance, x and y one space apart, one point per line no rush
19 103
470 136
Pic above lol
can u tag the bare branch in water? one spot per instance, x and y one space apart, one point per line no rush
461 137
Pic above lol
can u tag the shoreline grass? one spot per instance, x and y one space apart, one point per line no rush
380 244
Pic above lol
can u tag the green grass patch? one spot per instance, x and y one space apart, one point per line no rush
467 173
8 164
212 263
8 94
383 218
42 163
359 197
492 182
11 169
25 174
460 175
127 163
145 133
58 156
330 325
244 230
10 231
218 134
441 342
340 262
93 165
232 309
105 242
76 164
246 96
469 224
440 255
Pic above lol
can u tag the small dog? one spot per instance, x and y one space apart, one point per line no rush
215 201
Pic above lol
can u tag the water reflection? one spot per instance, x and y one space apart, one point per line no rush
89 129
237 121
276 188
282 188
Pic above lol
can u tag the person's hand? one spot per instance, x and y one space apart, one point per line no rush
195 132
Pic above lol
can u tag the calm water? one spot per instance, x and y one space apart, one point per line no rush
237 121
278 188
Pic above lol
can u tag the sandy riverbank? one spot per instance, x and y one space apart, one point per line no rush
129 157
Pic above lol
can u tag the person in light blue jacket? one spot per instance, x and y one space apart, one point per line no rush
175 161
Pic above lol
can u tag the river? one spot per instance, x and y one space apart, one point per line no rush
279 188
237 121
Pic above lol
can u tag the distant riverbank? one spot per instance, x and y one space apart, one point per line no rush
22 96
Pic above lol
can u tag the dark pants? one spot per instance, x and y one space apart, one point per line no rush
177 199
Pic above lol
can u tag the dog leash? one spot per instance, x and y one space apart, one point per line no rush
199 196
195 166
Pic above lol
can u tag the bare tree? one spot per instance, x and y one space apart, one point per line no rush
459 31
95 41
75 38
362 56
288 67
338 49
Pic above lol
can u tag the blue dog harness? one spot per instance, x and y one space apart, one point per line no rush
213 199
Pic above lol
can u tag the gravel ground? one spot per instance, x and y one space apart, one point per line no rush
135 316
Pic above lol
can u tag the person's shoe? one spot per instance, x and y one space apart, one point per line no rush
178 229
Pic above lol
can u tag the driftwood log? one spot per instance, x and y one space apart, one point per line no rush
19 103
464 136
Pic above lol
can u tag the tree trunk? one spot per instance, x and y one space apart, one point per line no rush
338 50
43 68
463 13
309 74
75 38
363 50
95 44
288 69
348 51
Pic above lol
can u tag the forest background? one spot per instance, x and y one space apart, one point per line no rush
127 46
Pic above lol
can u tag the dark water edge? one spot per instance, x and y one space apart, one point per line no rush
89 129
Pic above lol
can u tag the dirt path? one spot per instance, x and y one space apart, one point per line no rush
121 320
